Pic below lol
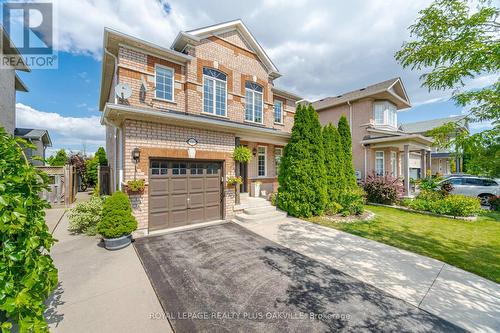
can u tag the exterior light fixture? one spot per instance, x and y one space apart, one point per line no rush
136 155
254 151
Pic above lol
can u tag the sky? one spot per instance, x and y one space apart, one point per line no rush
322 48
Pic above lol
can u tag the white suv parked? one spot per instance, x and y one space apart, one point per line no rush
472 186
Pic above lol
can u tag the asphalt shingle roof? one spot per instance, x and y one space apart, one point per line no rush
427 125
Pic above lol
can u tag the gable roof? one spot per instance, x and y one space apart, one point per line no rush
34 134
427 125
391 89
196 35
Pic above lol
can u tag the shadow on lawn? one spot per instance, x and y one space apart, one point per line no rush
319 289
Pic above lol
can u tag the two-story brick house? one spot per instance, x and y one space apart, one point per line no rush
378 144
190 105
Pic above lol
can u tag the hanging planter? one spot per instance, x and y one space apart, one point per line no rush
242 154
235 181
136 186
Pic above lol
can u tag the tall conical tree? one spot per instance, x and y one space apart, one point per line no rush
302 176
346 145
333 164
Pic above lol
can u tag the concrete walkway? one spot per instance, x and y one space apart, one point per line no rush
462 298
99 290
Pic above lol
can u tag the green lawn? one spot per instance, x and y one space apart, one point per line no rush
471 245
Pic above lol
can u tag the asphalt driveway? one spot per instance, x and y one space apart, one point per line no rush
225 278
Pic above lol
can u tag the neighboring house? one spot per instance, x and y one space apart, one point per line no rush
39 138
190 105
378 145
9 82
440 158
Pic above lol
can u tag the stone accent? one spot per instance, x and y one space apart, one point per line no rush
162 140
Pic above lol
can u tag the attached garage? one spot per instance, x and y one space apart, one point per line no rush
184 192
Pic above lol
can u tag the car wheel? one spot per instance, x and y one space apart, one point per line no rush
485 199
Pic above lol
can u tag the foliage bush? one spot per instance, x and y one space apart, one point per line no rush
272 198
352 202
84 217
27 273
117 219
136 185
100 154
335 181
60 159
429 183
382 189
302 176
495 203
347 167
439 203
242 154
91 166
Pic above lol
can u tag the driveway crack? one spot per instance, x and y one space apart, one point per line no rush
432 284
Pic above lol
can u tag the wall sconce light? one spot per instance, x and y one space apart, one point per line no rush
254 151
136 155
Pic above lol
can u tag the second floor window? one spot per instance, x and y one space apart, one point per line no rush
254 102
278 112
214 92
164 83
385 113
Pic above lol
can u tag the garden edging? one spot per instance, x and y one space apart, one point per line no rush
465 218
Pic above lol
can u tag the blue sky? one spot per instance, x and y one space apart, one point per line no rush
322 48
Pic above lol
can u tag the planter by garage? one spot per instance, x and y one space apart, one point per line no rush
117 243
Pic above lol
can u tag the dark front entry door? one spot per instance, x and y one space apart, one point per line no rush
184 192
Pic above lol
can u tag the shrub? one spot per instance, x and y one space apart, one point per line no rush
352 202
27 273
495 203
117 219
272 198
346 147
429 184
242 154
302 176
436 202
84 217
335 181
333 208
383 189
91 170
100 155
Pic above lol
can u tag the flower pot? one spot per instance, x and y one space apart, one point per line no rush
117 243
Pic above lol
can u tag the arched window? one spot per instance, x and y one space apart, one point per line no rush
214 91
254 102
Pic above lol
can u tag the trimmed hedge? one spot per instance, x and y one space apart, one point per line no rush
437 203
117 219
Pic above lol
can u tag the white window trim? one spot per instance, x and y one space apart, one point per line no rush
383 161
394 163
265 161
274 115
173 83
214 101
386 114
253 104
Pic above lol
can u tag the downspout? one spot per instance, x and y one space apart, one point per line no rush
350 115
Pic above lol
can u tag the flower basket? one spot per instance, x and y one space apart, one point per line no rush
135 186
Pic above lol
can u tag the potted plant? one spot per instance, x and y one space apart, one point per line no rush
117 222
235 181
256 188
136 186
242 154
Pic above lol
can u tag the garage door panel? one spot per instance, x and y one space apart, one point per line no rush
212 198
196 200
196 215
196 184
158 186
158 203
179 185
212 213
178 201
158 220
178 218
212 184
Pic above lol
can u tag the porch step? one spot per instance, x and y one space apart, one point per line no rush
259 210
254 202
262 217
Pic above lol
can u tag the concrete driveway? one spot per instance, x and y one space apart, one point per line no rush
460 297
227 279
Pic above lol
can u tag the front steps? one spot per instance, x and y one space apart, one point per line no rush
258 210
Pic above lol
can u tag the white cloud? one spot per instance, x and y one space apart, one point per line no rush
72 130
322 47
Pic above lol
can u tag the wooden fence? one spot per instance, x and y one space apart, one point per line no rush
63 184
